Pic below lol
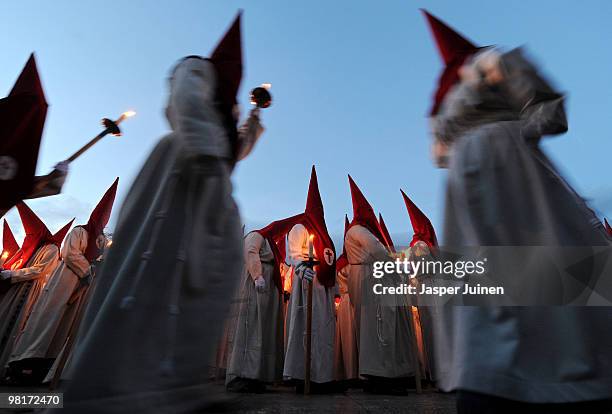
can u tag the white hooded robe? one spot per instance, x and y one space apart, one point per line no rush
323 318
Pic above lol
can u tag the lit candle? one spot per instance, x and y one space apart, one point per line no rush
3 257
310 247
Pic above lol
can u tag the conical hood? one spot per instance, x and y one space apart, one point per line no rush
385 233
37 234
22 119
227 58
32 224
423 230
363 213
28 82
608 228
315 224
454 49
342 259
314 204
347 223
98 220
59 237
314 221
9 244
450 43
279 228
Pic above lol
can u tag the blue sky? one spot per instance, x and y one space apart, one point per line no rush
352 83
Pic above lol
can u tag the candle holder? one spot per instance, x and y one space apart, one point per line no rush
261 97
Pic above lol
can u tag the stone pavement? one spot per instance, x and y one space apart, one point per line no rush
284 400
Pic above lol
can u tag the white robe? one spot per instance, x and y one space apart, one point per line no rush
500 183
16 304
257 349
48 327
323 318
385 343
152 333
346 353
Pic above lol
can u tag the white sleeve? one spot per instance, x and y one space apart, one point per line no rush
252 246
248 134
41 267
74 249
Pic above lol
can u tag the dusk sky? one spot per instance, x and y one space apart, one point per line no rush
352 84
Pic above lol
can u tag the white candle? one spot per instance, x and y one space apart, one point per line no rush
310 247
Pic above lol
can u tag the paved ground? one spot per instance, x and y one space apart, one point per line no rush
284 400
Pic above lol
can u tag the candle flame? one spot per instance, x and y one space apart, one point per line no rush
128 114
5 255
266 85
109 243
311 237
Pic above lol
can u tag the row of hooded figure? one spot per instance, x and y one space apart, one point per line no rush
356 341
44 290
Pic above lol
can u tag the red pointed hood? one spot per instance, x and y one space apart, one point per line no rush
314 208
315 224
342 261
422 227
22 118
9 244
280 228
227 58
37 234
314 204
59 237
363 213
28 83
275 233
385 233
608 228
454 49
98 220
313 219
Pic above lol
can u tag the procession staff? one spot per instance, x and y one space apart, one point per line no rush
22 116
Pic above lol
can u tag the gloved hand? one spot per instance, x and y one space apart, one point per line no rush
85 280
5 274
260 284
62 167
308 274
